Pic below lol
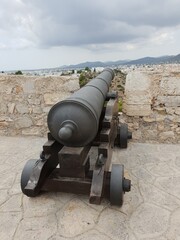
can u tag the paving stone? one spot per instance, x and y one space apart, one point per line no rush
149 220
113 224
92 235
57 237
6 180
160 169
76 218
42 205
170 185
64 197
122 157
8 224
98 208
131 201
174 229
176 164
150 211
4 167
154 195
142 173
36 228
3 196
15 189
13 204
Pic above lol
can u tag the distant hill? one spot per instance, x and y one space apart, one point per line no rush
95 64
140 61
175 59
152 60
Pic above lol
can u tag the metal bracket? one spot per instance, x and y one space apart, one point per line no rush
101 160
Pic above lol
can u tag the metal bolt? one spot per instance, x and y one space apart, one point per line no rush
127 185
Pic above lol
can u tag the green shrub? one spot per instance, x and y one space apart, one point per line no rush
87 69
120 104
82 80
18 72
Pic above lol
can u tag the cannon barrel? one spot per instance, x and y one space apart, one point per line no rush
74 122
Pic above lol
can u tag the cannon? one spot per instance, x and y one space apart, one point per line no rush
83 130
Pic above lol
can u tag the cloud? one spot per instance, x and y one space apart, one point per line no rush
78 22
90 24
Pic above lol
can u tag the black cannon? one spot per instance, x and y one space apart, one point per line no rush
77 156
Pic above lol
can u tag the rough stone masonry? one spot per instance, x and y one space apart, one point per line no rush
25 102
152 106
151 103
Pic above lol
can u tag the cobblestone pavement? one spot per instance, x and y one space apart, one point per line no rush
150 211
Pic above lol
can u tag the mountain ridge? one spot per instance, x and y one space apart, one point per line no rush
140 61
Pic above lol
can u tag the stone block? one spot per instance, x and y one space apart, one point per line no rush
160 126
177 111
34 100
22 108
6 89
138 95
3 124
11 107
170 110
71 85
3 108
169 101
137 110
46 109
23 122
149 119
166 135
52 98
5 118
37 110
34 131
138 88
150 134
170 86
40 122
28 86
176 119
17 89
137 135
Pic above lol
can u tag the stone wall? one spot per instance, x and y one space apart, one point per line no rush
152 105
25 102
151 102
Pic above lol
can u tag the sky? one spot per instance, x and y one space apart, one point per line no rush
51 33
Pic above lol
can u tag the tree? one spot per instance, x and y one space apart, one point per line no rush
87 69
18 72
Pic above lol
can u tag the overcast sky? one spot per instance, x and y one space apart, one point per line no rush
51 33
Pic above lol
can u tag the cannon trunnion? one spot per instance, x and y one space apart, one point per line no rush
77 156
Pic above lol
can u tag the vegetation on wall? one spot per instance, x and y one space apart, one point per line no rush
18 72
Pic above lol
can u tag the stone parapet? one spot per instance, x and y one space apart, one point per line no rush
152 106
25 102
